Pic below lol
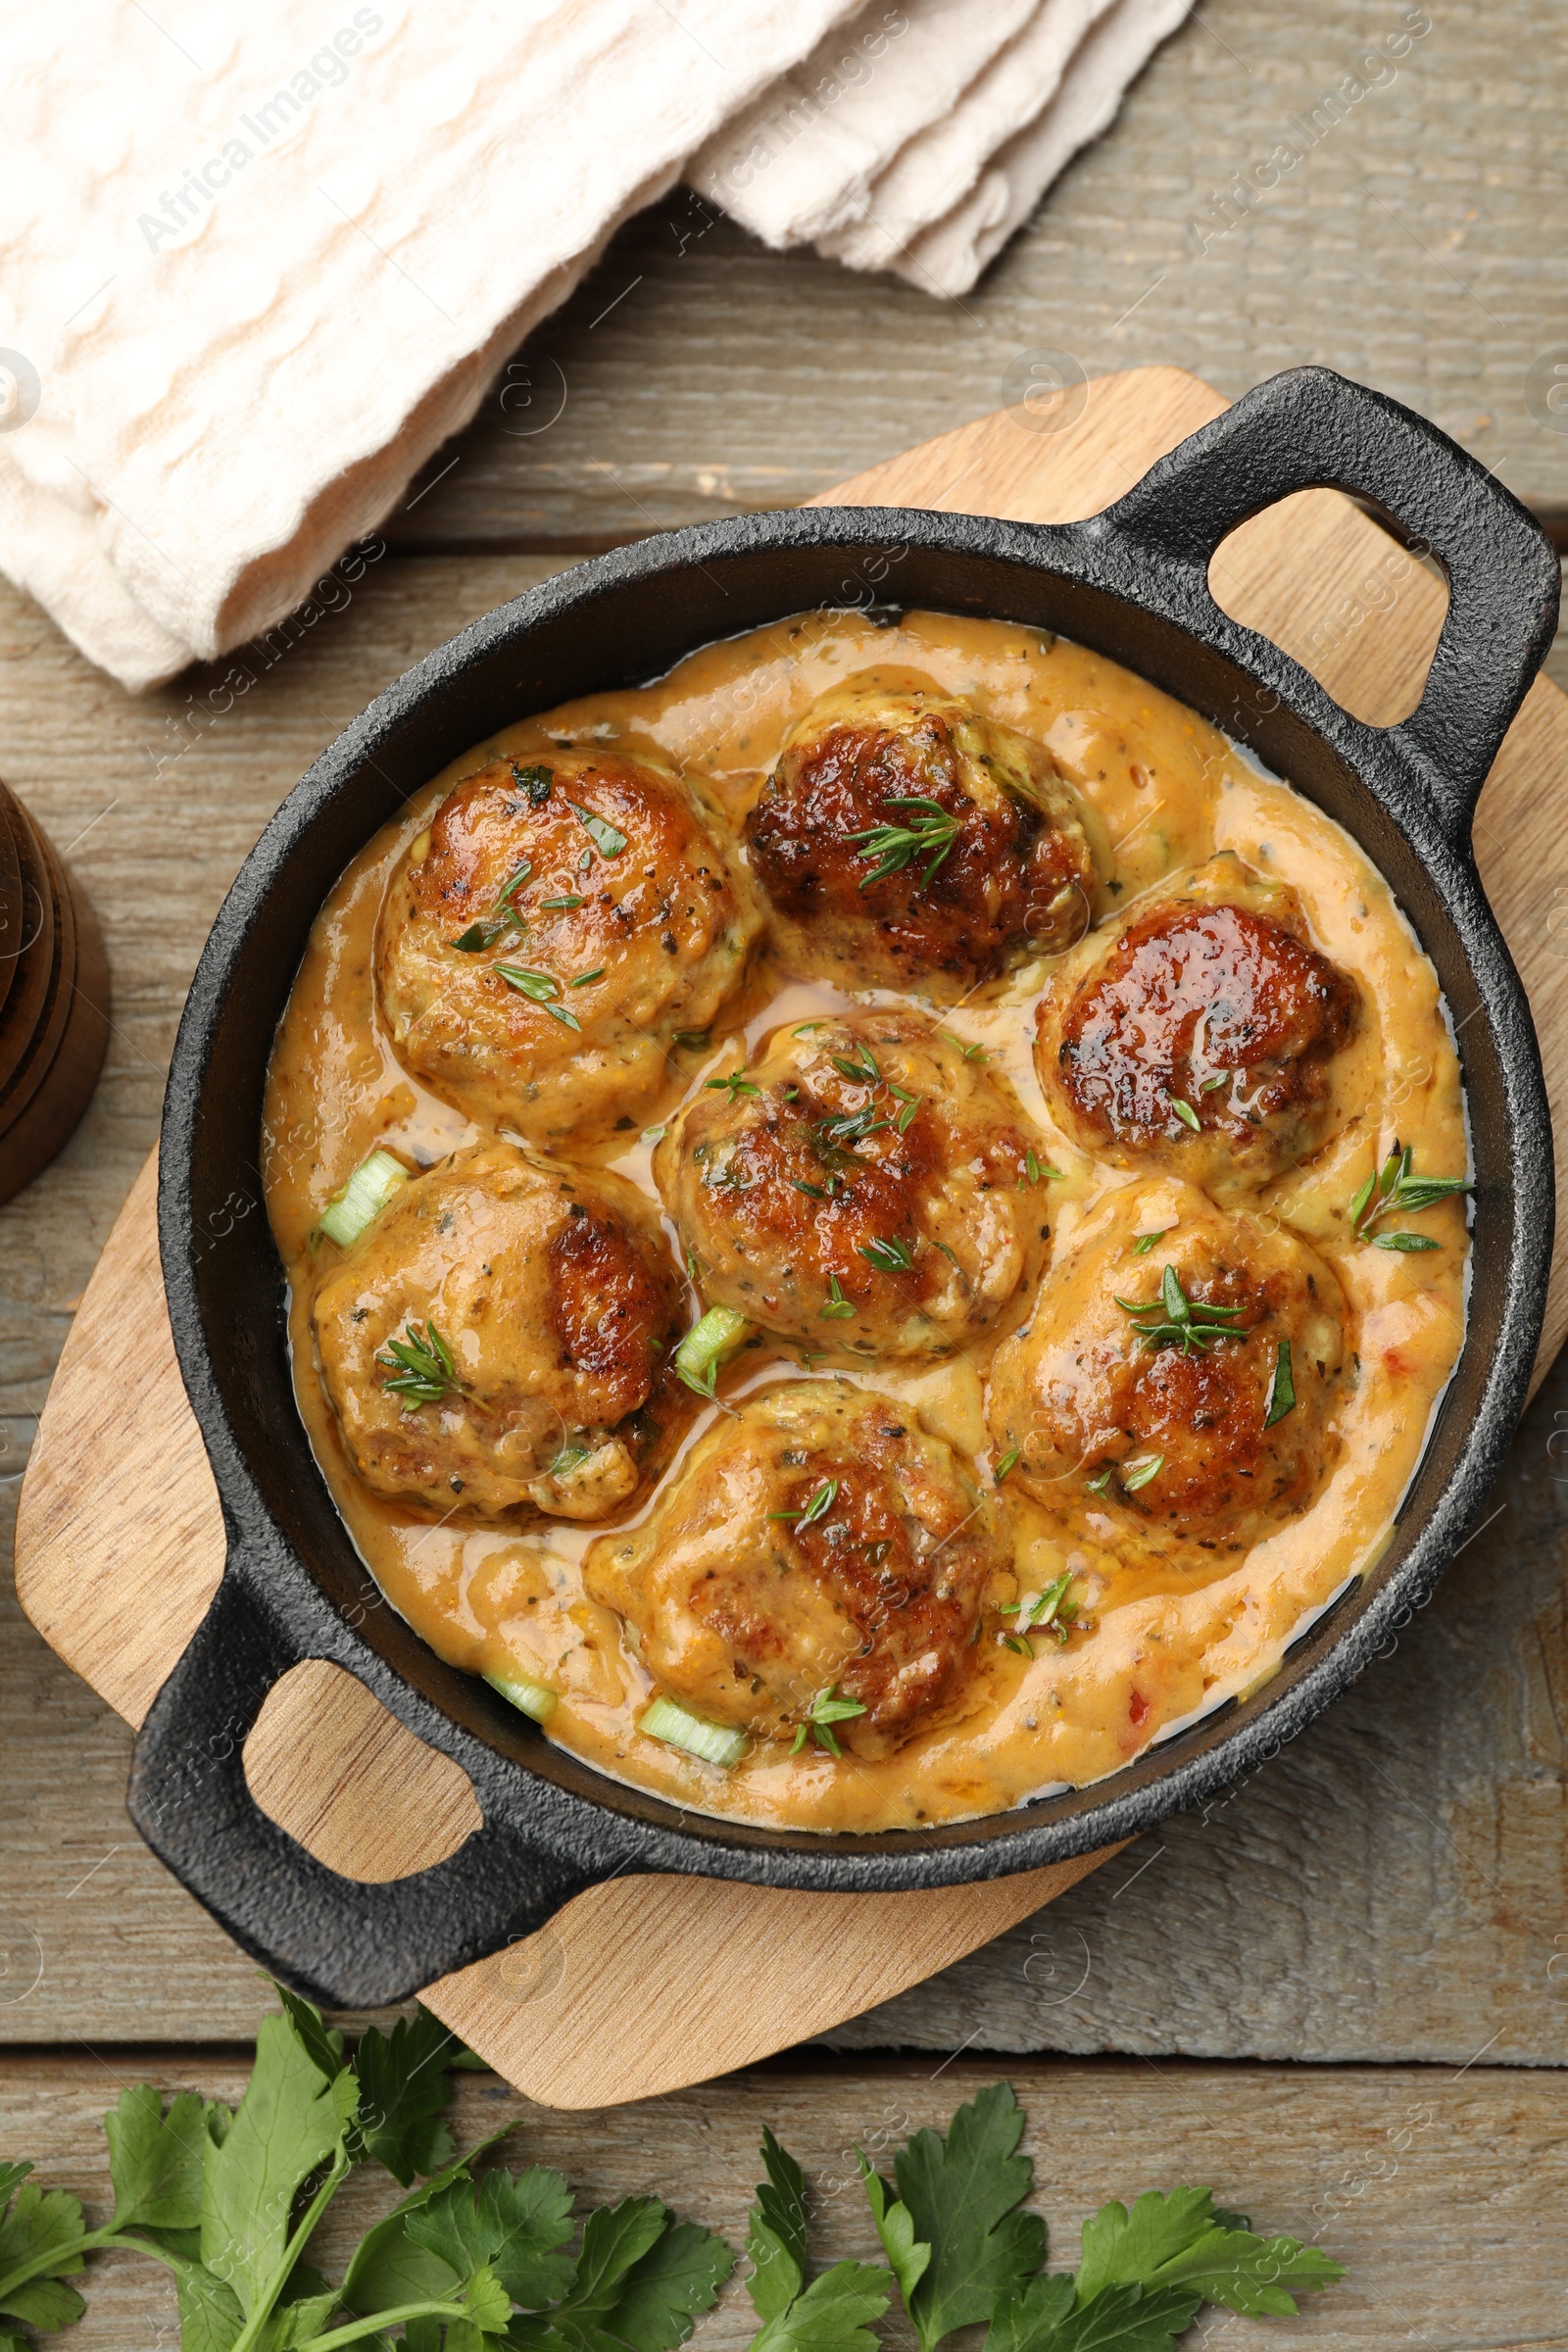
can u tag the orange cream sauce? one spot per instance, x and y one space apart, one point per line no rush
1165 1642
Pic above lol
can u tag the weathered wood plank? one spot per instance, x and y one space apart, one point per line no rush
1443 2195
1415 244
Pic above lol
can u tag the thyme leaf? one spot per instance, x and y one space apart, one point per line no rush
929 835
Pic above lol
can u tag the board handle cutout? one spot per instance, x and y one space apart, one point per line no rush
1310 429
343 1943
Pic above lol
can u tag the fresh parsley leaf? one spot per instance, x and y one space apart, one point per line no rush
513 2222
288 2123
40 2246
639 2282
775 2237
388 2267
833 2315
404 2090
909 2256
1119 2319
1121 2248
210 2315
678 2277
1248 2273
155 2160
963 2196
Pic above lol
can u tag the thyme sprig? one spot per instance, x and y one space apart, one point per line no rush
1039 1613
421 1367
826 1710
1179 1321
818 1508
930 835
1393 1191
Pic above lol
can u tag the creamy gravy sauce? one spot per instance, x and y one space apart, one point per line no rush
1167 1642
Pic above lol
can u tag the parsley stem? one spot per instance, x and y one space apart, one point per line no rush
259 2324
376 2323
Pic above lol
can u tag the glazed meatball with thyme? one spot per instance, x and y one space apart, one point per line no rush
550 934
817 1541
1191 1381
859 1189
1199 1032
497 1341
907 841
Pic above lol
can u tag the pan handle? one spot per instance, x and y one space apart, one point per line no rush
342 1942
1309 428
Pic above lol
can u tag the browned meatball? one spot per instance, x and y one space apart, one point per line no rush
1191 1383
859 1189
818 1540
1199 1032
497 1341
907 841
548 937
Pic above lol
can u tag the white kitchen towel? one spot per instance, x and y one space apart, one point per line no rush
254 268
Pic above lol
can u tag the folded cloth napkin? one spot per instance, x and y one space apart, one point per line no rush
255 268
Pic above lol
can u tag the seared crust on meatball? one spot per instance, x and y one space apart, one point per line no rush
859 1189
818 1540
1198 1031
907 841
1192 1385
545 940
542 1303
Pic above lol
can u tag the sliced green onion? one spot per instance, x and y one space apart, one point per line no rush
667 1719
353 1208
523 1691
707 1346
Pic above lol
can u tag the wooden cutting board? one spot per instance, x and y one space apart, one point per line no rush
646 1983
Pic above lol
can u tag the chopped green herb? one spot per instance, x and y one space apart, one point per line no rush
1209 1084
838 1310
826 1710
1038 1610
567 1021
1145 1241
861 1066
1138 1474
930 835
606 839
535 782
1179 1321
483 934
571 900
584 979
818 1508
1010 1461
888 1258
817 1190
537 987
421 1366
907 1115
736 1083
806 1027
1281 1397
653 1135
1097 1485
1394 1192
1186 1113
691 1040
708 1344
971 1052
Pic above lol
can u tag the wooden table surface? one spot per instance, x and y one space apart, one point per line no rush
1376 1922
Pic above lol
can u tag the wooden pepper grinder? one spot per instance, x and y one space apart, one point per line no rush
54 999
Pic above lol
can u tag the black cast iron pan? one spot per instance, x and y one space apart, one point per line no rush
1132 582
